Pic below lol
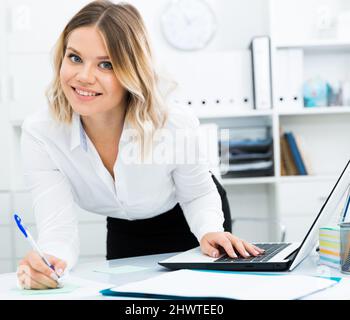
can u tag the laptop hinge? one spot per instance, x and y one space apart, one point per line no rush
293 254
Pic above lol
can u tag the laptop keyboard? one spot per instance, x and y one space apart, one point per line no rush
271 249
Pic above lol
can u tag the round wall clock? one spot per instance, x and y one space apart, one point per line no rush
188 24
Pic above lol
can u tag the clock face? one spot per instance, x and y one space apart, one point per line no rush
188 24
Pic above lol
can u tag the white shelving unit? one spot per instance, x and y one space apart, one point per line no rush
324 130
293 200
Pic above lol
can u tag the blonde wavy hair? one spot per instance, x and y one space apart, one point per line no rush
126 39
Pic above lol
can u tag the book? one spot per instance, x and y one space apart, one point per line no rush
287 160
295 153
283 166
304 156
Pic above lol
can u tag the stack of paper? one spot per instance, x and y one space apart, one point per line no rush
330 246
224 285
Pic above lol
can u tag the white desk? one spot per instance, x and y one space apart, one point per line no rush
86 271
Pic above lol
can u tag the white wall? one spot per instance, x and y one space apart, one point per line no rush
238 21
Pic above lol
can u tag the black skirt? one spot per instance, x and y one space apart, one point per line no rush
167 232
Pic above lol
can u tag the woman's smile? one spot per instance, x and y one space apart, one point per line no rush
85 95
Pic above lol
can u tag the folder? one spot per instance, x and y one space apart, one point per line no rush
287 162
261 61
295 79
252 145
248 157
303 154
296 153
282 75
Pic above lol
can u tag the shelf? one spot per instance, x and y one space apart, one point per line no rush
309 178
317 44
228 112
315 110
272 180
247 181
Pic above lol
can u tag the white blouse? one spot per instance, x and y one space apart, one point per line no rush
62 168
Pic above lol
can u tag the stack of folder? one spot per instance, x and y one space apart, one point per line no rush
248 157
329 240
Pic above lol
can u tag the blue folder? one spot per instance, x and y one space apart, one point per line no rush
299 163
109 292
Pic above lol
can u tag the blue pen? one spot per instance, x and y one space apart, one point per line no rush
28 236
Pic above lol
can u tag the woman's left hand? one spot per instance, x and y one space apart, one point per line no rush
212 241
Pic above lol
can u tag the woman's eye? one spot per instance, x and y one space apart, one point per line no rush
106 65
74 58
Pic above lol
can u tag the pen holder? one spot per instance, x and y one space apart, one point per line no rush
329 243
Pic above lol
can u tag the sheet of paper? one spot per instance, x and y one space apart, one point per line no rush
339 292
120 269
67 288
74 288
191 283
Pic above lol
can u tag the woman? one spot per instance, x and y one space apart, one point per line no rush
103 105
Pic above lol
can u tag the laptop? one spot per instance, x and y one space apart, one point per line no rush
278 256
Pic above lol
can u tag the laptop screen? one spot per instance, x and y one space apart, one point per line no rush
324 215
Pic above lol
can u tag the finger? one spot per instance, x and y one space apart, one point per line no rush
28 283
41 278
258 249
37 263
210 250
250 248
238 245
227 245
21 269
22 283
59 265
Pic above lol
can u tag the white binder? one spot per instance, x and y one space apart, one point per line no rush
282 75
261 58
289 79
296 78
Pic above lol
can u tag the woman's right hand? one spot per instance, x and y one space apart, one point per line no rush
33 273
